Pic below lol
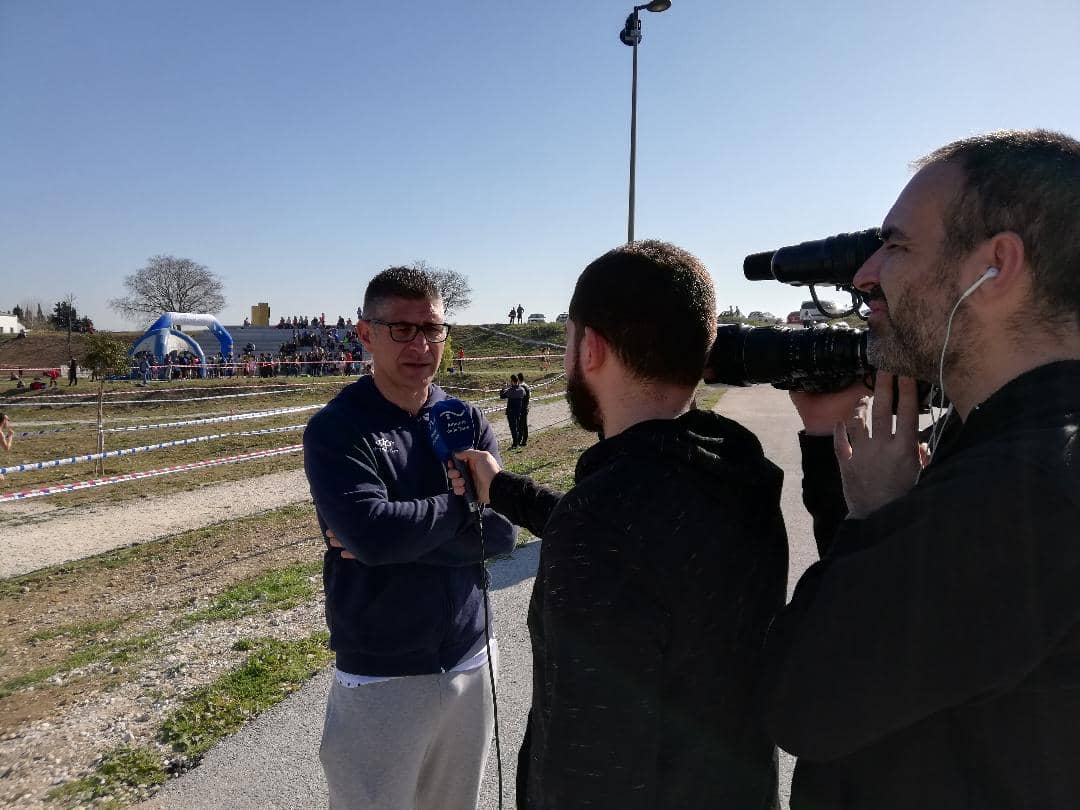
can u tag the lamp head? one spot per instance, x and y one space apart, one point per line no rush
657 5
631 32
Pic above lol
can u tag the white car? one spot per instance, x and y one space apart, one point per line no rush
537 317
810 314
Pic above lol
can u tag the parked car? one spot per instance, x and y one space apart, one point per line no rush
562 317
810 314
538 317
767 317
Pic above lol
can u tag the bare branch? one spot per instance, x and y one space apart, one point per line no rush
170 284
453 286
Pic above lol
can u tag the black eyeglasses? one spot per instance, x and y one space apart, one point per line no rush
402 332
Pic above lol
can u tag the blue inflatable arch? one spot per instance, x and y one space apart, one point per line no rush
163 337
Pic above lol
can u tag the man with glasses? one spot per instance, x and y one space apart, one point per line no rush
409 717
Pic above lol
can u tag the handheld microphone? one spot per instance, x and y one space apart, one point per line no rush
451 428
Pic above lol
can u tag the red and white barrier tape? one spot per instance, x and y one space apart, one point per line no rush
134 476
130 451
91 397
237 417
276 390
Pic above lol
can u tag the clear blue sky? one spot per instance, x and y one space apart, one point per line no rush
298 148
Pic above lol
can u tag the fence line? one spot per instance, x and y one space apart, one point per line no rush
130 451
236 417
279 390
134 476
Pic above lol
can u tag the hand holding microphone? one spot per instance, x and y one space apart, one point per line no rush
483 467
451 429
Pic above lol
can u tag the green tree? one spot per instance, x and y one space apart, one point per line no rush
64 316
447 355
105 355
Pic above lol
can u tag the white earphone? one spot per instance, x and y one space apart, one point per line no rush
991 272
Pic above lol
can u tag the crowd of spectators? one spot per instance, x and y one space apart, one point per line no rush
335 358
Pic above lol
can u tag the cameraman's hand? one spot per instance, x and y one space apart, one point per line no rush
483 467
821 412
879 468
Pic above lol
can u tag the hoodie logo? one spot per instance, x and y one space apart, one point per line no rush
385 445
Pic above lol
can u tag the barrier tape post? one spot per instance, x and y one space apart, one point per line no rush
100 464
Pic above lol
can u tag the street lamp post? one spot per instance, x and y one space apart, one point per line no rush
631 35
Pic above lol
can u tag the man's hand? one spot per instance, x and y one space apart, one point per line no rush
821 412
483 467
335 543
879 468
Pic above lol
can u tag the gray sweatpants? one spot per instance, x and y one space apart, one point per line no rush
413 743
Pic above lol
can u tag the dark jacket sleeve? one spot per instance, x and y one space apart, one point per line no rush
352 501
948 594
822 488
605 624
523 501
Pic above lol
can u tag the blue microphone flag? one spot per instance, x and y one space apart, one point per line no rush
450 424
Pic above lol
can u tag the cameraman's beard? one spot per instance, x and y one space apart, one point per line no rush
583 405
910 342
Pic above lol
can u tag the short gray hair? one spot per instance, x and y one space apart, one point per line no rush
1027 182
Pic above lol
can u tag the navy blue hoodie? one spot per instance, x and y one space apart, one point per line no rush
410 603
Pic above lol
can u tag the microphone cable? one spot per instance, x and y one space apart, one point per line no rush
487 636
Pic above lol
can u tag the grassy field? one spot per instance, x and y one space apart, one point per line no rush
128 405
181 641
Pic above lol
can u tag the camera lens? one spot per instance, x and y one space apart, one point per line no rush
819 359
834 260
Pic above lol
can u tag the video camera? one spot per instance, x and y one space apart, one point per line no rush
818 359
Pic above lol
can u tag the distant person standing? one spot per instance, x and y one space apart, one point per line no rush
513 313
523 419
7 433
514 395
461 361
73 372
520 312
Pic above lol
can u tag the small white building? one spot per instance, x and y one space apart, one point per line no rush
9 324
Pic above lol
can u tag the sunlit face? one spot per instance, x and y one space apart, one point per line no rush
403 368
912 286
584 406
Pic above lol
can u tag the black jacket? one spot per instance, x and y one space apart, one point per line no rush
410 603
931 658
659 573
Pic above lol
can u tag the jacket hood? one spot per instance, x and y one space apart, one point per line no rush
710 445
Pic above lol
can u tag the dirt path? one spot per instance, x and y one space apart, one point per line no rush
41 536
36 535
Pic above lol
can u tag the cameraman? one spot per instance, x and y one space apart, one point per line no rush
931 658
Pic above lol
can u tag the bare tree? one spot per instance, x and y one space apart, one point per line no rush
169 284
453 286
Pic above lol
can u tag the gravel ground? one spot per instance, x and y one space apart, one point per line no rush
31 531
273 762
42 535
